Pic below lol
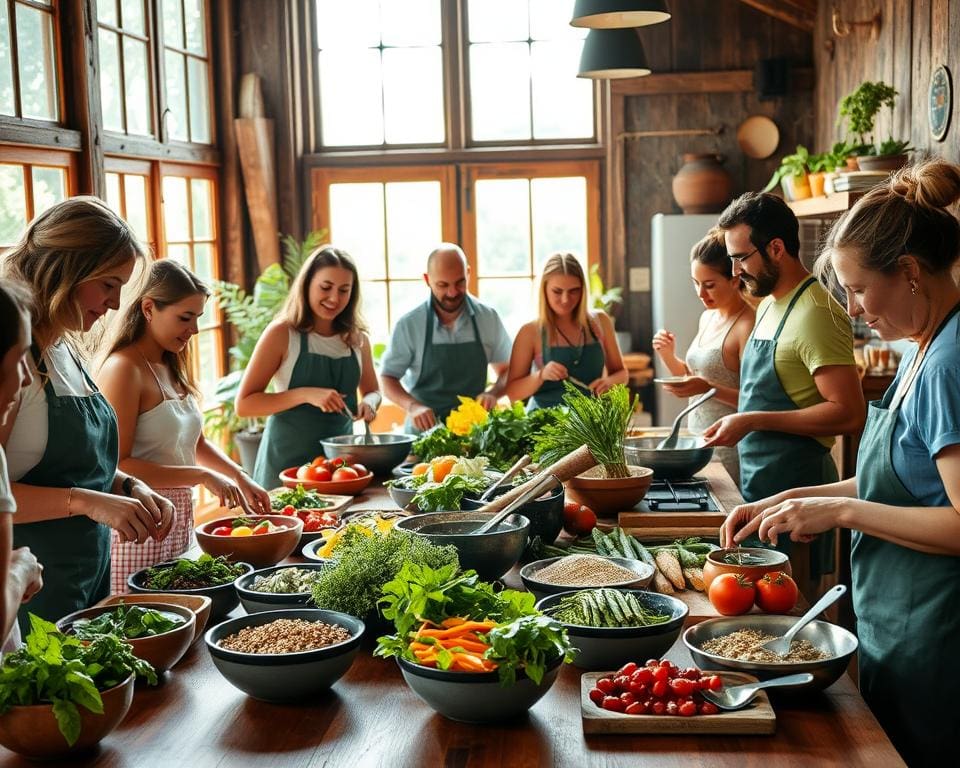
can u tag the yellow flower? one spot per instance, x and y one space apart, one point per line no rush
464 417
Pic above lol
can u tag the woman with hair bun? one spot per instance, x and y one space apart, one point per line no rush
892 255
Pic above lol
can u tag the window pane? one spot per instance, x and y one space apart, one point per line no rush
49 188
193 19
111 89
412 22
562 102
175 215
199 101
107 12
356 219
131 14
172 23
208 364
405 295
503 227
495 20
413 95
202 195
38 80
350 98
176 96
136 87
203 268
414 226
513 299
13 204
135 193
7 101
550 20
374 307
113 192
559 217
179 253
500 91
348 24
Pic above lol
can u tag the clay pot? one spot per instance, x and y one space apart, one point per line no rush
816 181
795 187
776 561
882 162
702 185
609 495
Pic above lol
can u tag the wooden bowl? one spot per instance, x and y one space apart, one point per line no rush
260 551
346 487
199 604
777 561
607 496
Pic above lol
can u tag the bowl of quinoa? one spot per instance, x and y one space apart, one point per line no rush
561 574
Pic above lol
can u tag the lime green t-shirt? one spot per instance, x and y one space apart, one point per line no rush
817 333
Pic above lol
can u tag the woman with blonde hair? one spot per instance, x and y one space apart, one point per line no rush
61 443
566 342
146 377
317 354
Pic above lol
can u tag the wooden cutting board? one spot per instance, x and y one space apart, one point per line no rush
758 718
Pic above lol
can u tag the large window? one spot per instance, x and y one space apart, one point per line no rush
126 83
28 60
186 64
30 182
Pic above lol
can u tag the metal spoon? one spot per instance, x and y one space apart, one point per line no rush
671 440
739 696
781 645
508 475
542 485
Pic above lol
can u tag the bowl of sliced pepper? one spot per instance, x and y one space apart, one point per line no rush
261 540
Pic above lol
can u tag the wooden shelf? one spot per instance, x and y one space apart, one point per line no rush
824 207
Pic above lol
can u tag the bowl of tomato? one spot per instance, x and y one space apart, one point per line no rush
324 475
261 540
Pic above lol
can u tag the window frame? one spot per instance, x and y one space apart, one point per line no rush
30 157
54 11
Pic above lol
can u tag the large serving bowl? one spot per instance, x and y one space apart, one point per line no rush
288 478
490 554
545 513
688 458
260 551
223 597
475 697
32 730
254 601
773 561
284 676
836 641
163 650
611 647
609 495
379 453
199 604
528 575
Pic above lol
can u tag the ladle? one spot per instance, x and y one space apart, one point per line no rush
671 440
781 645
543 483
738 696
507 476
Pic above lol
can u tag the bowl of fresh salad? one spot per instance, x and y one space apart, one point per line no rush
207 575
261 540
442 483
277 587
314 509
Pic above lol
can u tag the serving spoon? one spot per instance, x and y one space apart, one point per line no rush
781 645
506 476
738 696
671 440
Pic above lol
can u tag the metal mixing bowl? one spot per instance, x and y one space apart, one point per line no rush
836 641
688 458
380 455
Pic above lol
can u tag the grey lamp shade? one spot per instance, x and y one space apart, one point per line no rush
618 14
611 54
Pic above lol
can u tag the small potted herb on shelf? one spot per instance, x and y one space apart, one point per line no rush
860 109
792 175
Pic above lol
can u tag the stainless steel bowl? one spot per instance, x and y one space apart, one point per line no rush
836 641
378 453
685 460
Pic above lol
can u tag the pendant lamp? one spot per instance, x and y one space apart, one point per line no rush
618 14
612 54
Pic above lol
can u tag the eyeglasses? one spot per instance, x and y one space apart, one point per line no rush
742 258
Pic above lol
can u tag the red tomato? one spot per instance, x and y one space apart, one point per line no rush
303 473
708 708
613 704
682 687
637 708
688 709
605 684
322 474
577 519
223 530
596 696
333 464
288 510
343 474
360 469
731 594
776 593
320 461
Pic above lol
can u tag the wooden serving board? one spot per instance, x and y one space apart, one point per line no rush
337 502
758 718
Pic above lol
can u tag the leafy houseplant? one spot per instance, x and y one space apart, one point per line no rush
792 175
607 300
861 109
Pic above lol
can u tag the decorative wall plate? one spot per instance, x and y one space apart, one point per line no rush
940 102
758 136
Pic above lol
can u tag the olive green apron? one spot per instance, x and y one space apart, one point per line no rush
771 462
449 370
908 612
292 437
583 363
81 452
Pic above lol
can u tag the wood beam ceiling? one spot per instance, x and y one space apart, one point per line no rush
798 13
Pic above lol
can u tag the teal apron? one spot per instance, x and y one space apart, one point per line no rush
81 452
908 612
771 462
292 437
449 370
584 363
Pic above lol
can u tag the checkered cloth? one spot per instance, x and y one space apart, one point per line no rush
129 558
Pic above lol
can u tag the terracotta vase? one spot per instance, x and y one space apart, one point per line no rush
816 181
702 185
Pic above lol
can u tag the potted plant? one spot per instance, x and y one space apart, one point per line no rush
792 175
818 166
608 299
249 314
860 109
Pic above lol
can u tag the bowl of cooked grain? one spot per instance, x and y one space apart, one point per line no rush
560 574
732 642
287 655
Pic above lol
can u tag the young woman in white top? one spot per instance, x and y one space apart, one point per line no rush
21 576
713 358
146 378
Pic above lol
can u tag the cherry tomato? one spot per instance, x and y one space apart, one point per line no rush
660 688
596 696
223 530
776 593
342 474
627 698
577 519
658 708
613 704
360 469
320 461
627 669
261 529
731 594
606 685
688 709
636 708
303 473
682 687
643 675
322 474
288 510
336 463
673 708
708 708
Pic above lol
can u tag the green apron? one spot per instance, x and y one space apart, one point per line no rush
771 462
449 370
81 452
292 437
908 612
584 363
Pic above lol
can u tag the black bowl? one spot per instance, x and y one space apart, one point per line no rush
545 513
224 597
253 601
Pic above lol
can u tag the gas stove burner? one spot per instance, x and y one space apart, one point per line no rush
691 493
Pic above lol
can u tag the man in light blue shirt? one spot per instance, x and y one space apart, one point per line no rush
443 347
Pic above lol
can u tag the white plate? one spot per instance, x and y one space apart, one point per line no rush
672 380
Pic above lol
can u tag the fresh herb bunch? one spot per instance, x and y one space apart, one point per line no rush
205 571
66 671
365 563
298 498
447 495
439 441
127 622
598 422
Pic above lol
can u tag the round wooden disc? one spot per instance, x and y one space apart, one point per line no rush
758 136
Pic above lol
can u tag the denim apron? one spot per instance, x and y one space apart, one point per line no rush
584 363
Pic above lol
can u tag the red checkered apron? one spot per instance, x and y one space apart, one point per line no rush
129 558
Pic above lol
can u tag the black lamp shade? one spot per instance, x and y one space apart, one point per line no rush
611 54
618 14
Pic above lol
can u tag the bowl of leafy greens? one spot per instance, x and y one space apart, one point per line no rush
442 484
60 696
160 634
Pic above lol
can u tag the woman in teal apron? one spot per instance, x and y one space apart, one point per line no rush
62 445
893 255
566 342
317 355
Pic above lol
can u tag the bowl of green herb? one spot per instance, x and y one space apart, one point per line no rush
207 575
160 634
750 562
282 586
60 696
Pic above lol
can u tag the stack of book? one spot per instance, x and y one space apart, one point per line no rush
858 181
